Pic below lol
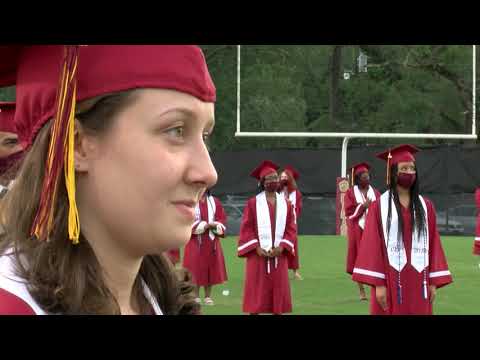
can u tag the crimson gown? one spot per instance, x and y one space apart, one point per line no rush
203 256
353 213
372 266
293 262
174 256
265 292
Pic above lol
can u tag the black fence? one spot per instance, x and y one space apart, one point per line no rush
456 214
449 176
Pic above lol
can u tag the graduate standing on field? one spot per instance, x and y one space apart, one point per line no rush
267 235
401 255
203 253
357 201
288 186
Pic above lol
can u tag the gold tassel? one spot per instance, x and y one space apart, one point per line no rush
61 153
69 168
388 168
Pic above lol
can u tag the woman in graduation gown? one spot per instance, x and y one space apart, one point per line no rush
267 235
203 253
288 186
174 256
401 255
10 150
357 201
116 163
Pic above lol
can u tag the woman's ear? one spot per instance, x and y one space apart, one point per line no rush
85 148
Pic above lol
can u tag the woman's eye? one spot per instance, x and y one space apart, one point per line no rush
206 139
10 142
177 132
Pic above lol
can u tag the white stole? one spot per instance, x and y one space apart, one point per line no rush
361 200
211 211
264 224
293 199
397 256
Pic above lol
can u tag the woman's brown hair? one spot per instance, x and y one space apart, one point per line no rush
64 278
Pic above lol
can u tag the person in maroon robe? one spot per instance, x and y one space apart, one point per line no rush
11 152
476 244
174 256
357 201
401 255
288 186
117 162
203 253
267 235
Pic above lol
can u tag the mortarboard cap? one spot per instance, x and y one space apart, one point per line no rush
264 169
292 171
358 169
398 154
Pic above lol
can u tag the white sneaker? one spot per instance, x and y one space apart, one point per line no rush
198 300
209 301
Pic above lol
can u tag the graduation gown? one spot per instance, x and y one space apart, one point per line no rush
476 244
266 286
15 299
295 198
355 214
203 255
173 255
373 267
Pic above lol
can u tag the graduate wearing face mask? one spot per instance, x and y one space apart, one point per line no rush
11 152
267 235
401 255
357 202
289 188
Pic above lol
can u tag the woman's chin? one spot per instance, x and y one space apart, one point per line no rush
178 240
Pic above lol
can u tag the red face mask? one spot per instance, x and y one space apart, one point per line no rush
364 183
272 186
406 180
284 183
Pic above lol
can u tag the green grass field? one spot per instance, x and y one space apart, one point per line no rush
328 290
